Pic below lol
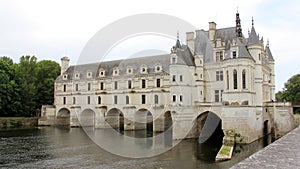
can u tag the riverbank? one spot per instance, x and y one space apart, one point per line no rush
283 153
11 122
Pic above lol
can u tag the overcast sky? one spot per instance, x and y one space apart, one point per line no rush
52 29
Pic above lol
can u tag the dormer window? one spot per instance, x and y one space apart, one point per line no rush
234 54
158 68
65 76
101 73
129 70
116 71
143 69
173 60
89 74
77 75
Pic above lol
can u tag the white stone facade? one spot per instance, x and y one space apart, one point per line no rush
218 71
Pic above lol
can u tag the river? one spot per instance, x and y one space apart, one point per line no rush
62 147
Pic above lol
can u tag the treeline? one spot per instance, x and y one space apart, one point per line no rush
291 90
26 86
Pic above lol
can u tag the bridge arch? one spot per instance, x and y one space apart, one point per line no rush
87 118
168 122
63 117
206 125
143 119
115 119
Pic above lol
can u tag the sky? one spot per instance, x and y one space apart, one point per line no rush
53 29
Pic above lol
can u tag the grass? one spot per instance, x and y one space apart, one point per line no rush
225 150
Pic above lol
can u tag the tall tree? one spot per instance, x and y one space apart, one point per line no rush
9 91
47 72
26 77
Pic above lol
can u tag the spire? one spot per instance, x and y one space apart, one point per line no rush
238 27
178 45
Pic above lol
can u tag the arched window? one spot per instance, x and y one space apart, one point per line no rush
235 86
127 99
99 100
155 99
227 79
244 79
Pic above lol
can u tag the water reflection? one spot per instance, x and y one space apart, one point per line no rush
53 147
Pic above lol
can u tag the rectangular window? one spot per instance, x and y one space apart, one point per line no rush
173 60
129 84
222 95
181 78
116 85
217 56
127 99
88 100
174 78
174 98
221 55
157 82
234 54
219 75
99 99
155 99
180 98
217 96
65 88
116 99
143 83
74 100
76 87
101 86
143 99
64 100
89 86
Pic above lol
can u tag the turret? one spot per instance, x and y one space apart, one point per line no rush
64 64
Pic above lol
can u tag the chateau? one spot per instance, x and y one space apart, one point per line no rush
218 72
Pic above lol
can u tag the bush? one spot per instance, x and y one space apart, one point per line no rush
4 123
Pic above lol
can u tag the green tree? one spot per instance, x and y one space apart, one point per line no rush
47 72
9 90
291 91
26 72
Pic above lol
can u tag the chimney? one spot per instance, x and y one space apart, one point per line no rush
64 64
212 30
190 41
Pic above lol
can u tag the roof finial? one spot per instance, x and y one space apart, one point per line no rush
238 27
268 42
177 34
252 22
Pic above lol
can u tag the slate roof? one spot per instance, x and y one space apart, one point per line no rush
269 53
253 37
108 66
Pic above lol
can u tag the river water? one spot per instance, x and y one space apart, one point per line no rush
61 147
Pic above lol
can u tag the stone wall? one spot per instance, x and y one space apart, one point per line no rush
7 122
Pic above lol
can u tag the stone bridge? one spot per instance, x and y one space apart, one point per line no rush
201 119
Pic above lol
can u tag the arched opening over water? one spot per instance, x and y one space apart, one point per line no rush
143 120
87 118
207 129
168 129
63 117
167 120
115 118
